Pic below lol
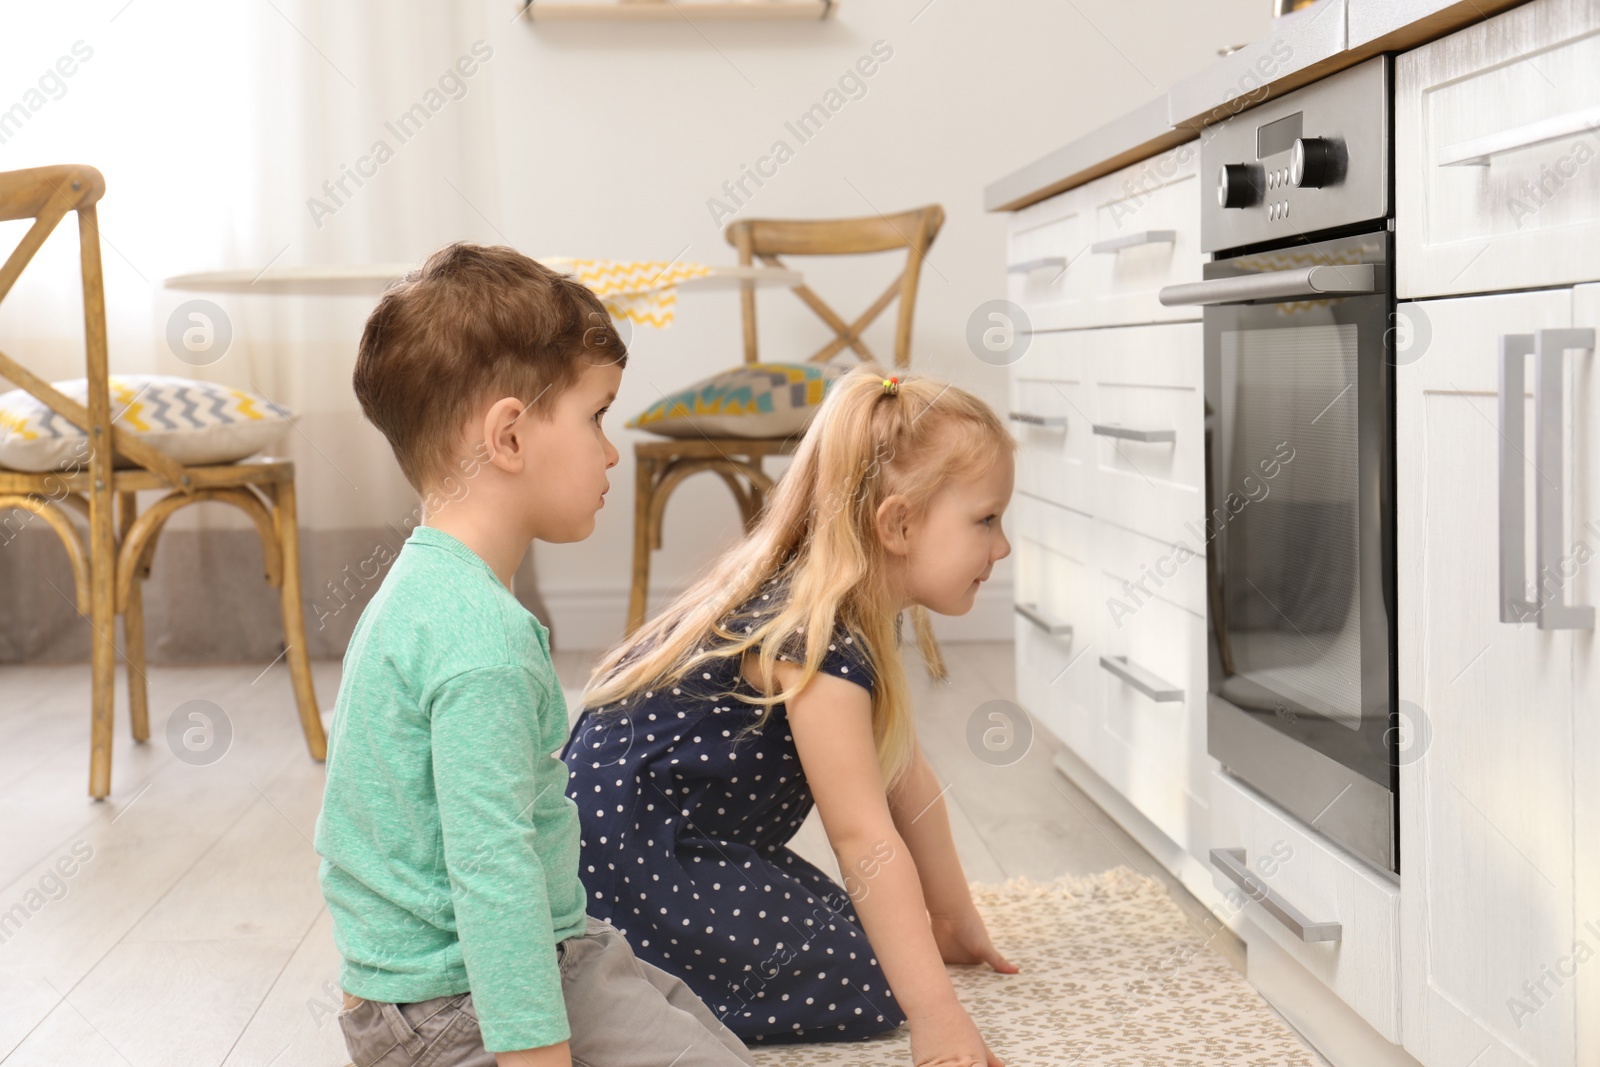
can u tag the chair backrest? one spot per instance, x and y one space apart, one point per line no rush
46 195
767 239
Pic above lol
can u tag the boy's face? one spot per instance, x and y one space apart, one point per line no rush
570 456
959 540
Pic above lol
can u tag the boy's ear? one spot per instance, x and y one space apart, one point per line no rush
893 521
504 429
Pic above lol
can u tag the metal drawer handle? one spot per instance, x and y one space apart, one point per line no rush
1342 279
1477 151
1149 684
1053 627
1230 861
1031 265
1514 347
1548 347
1038 420
1133 240
1107 430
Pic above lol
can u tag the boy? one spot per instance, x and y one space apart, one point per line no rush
449 845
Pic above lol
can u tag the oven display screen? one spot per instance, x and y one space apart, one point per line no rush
1278 136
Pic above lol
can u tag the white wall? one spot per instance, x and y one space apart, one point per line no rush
612 138
217 125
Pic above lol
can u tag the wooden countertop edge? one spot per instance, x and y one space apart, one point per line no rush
1171 138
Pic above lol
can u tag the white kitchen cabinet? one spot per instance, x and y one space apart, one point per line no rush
1174 570
1106 405
1098 254
1149 428
1497 153
1500 746
1057 620
1045 246
1108 532
1320 883
1146 236
1050 418
1584 588
1151 664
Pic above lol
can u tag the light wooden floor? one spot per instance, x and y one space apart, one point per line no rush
194 931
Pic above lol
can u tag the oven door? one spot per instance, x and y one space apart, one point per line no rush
1300 532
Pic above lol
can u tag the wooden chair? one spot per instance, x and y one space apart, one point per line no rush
661 466
109 567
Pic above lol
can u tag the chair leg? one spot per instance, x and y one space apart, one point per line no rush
133 661
102 624
643 538
758 496
286 521
133 651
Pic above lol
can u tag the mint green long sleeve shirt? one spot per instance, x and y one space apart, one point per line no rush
449 846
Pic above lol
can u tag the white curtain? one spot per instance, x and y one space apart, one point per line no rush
242 136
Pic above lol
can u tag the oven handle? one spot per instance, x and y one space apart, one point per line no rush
1327 279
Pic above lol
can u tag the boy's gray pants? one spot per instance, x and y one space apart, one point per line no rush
622 1011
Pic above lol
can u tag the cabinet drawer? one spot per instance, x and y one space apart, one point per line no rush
1152 747
1055 587
1150 567
1148 431
1045 249
1146 235
1497 183
1050 418
1097 255
1321 882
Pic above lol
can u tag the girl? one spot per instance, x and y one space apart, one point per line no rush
707 735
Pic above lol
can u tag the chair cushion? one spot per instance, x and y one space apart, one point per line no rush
751 400
196 423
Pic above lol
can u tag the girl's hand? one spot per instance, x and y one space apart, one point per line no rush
964 939
949 1039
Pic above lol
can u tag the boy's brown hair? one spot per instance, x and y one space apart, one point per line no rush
473 324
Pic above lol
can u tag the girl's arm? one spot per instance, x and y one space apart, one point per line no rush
831 720
923 820
917 805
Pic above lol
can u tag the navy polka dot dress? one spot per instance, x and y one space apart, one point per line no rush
684 848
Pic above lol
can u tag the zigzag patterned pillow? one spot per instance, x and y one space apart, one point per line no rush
751 400
194 422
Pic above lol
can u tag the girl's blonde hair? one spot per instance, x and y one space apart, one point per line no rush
818 536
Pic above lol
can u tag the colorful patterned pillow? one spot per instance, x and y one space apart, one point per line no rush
194 422
751 400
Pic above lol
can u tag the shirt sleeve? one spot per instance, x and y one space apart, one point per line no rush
485 731
844 658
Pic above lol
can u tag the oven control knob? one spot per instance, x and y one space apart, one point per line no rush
1236 185
1311 163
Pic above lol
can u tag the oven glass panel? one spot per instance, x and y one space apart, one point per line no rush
1290 463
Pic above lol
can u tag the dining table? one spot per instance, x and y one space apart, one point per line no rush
640 292
373 278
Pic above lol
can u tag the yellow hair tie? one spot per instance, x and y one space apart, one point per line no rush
891 386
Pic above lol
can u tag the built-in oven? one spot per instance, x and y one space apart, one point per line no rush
1298 307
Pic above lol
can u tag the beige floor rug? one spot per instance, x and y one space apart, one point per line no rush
1112 975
